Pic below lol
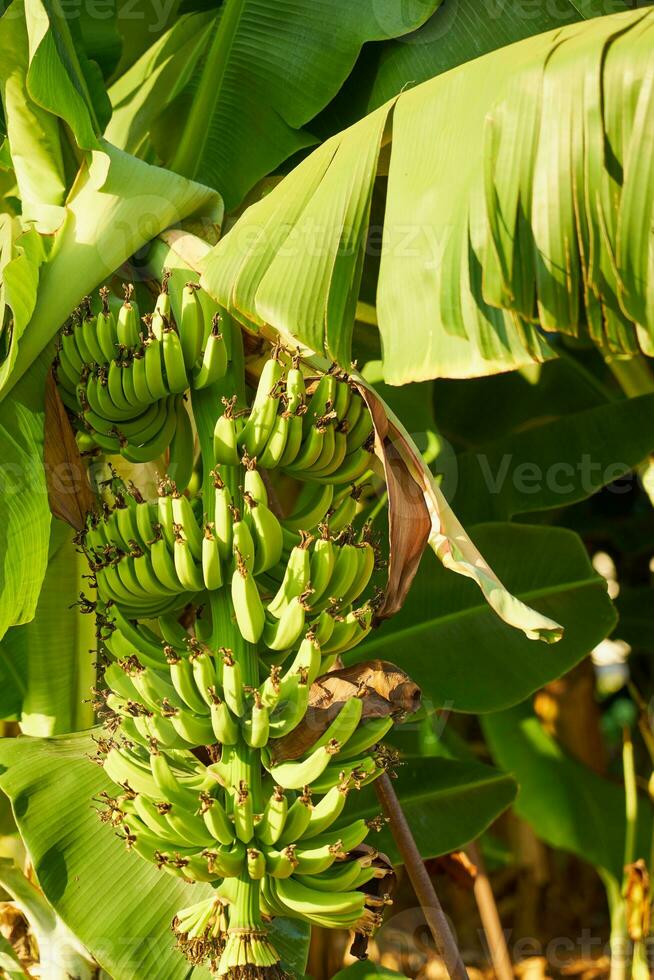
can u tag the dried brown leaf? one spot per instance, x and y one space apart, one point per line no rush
69 493
409 523
637 897
445 535
383 687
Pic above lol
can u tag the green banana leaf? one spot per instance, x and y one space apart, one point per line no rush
505 217
568 805
447 803
267 70
55 652
143 92
119 906
466 659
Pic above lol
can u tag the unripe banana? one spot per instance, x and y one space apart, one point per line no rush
297 819
216 820
271 826
233 684
296 578
266 532
298 773
250 614
191 328
214 358
225 437
258 427
222 517
257 727
212 569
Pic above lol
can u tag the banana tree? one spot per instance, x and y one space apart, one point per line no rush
491 250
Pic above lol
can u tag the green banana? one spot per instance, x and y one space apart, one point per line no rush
214 358
270 827
296 773
191 328
266 533
250 614
257 429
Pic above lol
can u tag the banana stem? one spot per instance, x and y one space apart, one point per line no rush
245 770
422 884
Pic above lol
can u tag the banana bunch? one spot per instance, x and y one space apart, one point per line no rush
216 613
327 438
123 376
167 695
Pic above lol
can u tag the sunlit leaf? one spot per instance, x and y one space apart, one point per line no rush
244 113
118 204
56 649
505 213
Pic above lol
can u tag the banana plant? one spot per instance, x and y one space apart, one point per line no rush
230 460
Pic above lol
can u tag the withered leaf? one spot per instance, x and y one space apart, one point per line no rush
637 895
383 687
69 493
409 523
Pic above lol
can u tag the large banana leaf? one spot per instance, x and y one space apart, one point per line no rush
266 70
519 197
466 659
118 905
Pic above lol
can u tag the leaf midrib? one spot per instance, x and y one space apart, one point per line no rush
190 152
526 597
